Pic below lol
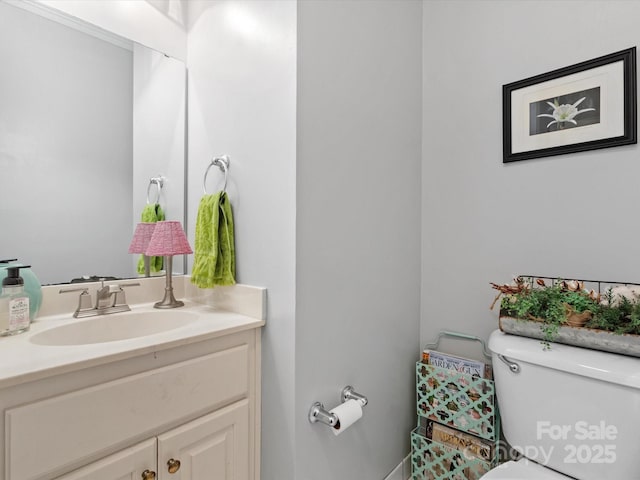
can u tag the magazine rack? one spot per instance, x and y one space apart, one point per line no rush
460 401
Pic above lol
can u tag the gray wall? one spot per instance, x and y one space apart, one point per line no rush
358 230
242 102
333 229
482 221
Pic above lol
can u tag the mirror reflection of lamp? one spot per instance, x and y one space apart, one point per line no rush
168 239
140 242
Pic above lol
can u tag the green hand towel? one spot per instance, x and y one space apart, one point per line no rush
151 213
215 257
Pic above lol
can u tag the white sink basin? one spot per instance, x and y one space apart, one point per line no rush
114 327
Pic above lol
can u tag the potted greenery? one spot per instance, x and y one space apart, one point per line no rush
565 312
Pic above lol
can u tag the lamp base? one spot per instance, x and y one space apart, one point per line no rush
147 265
169 301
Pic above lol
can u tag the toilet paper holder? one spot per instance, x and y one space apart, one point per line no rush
318 413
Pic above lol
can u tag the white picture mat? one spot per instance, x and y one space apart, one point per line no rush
610 79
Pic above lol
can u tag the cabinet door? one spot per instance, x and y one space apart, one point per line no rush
213 447
129 464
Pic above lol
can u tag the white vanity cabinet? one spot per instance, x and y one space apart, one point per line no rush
212 447
207 448
135 462
196 403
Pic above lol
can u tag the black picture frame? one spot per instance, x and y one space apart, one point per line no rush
540 113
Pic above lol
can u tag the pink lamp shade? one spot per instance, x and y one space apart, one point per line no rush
141 237
168 239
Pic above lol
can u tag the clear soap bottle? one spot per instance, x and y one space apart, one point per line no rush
14 304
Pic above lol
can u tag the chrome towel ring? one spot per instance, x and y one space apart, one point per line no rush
159 183
221 162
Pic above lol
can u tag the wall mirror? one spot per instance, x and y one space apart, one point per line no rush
87 118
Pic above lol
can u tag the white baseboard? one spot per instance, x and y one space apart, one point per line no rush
402 471
406 467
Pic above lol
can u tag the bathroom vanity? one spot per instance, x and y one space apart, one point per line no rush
182 403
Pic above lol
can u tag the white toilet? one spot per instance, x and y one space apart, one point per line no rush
571 412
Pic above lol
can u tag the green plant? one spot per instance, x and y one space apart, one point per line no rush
548 304
618 314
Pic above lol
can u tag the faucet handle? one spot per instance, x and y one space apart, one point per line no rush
120 297
84 300
117 287
68 290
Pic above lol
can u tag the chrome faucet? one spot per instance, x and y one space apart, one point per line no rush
109 299
106 296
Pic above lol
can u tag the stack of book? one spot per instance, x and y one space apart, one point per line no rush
456 447
458 400
447 361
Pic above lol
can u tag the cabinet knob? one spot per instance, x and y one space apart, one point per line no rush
173 465
148 475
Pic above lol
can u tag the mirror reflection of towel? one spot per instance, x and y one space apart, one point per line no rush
214 257
151 213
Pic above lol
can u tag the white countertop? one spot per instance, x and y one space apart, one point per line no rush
22 361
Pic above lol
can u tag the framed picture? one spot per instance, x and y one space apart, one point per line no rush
585 106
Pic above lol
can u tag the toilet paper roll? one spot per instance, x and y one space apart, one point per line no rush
348 413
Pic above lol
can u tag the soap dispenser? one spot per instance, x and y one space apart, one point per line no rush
32 286
14 303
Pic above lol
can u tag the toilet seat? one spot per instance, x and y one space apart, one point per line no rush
523 470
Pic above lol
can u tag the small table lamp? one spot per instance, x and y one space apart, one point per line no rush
140 242
168 239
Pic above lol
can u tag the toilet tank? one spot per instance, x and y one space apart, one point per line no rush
571 409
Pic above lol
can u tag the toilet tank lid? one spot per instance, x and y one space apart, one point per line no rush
608 367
